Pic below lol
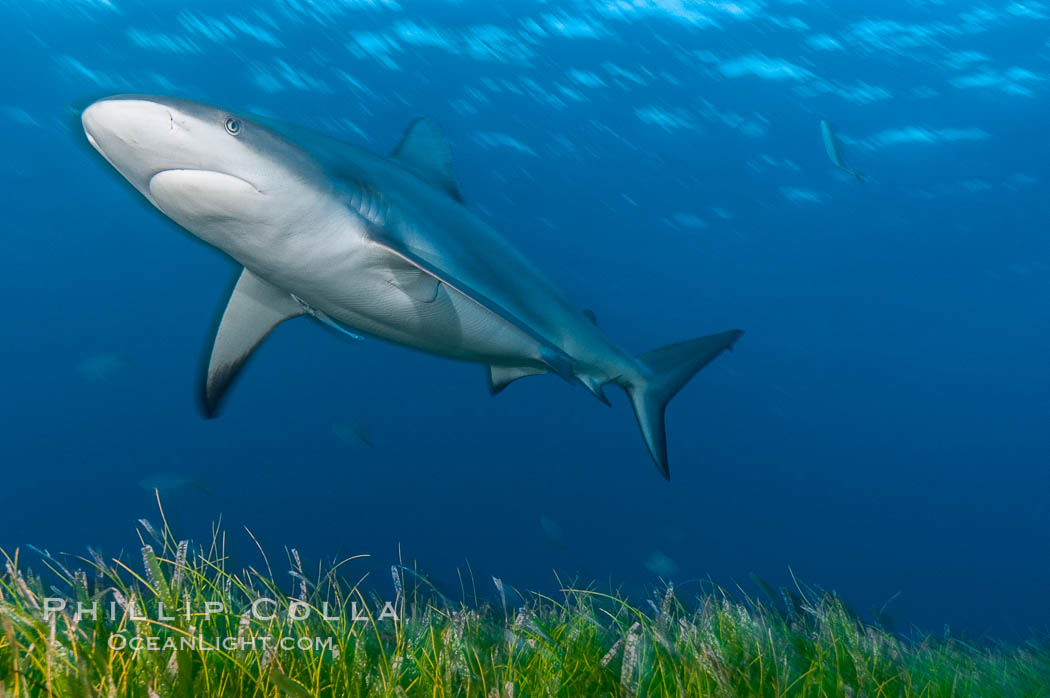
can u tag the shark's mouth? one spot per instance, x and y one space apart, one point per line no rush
194 178
196 194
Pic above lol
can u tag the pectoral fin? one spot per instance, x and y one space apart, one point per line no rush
416 254
416 283
254 309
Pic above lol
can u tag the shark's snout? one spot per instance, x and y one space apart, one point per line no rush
132 133
125 119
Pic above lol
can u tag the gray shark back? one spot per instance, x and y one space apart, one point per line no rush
416 210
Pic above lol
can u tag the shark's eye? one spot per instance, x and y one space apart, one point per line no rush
233 126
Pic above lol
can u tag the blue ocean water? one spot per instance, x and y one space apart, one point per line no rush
883 426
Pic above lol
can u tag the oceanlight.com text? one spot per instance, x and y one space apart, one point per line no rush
229 644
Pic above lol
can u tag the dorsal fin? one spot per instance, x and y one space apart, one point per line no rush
425 149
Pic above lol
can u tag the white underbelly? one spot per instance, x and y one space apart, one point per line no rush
451 325
356 288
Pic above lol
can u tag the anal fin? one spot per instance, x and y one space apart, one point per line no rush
595 387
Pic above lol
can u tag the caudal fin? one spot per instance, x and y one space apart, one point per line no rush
670 368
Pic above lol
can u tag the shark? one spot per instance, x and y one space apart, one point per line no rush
376 245
831 147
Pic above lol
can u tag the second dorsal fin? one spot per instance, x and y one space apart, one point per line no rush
425 149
